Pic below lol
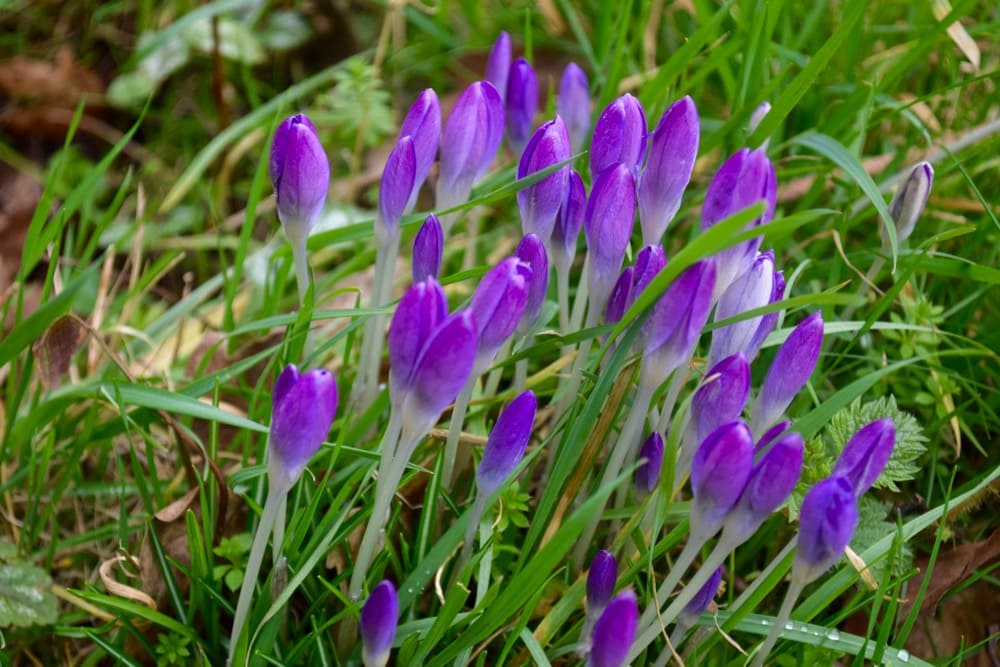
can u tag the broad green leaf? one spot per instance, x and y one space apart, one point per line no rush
25 596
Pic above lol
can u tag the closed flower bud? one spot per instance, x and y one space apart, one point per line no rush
608 226
397 186
423 124
865 455
764 443
614 632
758 115
619 136
472 136
539 203
678 318
618 300
789 372
303 408
768 321
417 315
300 175
668 168
723 395
647 475
531 251
428 249
751 290
507 442
719 472
702 599
771 480
379 617
827 520
497 306
573 104
601 580
649 262
521 103
909 201
743 180
498 64
569 221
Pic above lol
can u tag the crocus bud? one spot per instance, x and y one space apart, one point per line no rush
498 64
677 320
771 480
300 174
789 372
441 371
618 300
827 521
719 472
521 103
472 136
751 290
764 442
701 600
417 315
608 226
768 321
397 187
428 249
742 181
506 444
865 455
668 168
647 475
614 632
569 221
619 136
908 202
649 262
601 580
379 617
539 203
723 395
423 124
531 251
497 306
303 408
573 104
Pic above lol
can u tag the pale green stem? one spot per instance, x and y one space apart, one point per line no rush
268 515
794 590
671 400
582 297
471 236
455 429
493 379
520 376
478 508
374 334
300 257
723 548
562 293
279 529
576 374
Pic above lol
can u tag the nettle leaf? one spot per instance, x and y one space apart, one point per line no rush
902 465
25 596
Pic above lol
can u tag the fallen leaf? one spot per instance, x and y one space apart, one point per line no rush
55 349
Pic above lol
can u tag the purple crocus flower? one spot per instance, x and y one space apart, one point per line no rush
827 521
678 318
614 632
521 103
601 580
633 280
751 290
569 222
423 124
303 408
300 175
507 442
540 202
428 249
723 395
608 226
909 201
619 136
647 475
865 455
618 300
498 64
743 180
668 168
764 442
789 372
472 136
702 599
397 188
531 251
497 306
768 321
771 480
379 617
417 315
719 472
573 104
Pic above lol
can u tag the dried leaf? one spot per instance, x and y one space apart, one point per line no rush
958 34
56 347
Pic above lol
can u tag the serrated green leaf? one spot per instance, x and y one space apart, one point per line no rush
25 598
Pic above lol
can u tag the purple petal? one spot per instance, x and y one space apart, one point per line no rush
573 104
827 521
397 187
423 124
300 174
647 475
601 580
472 136
865 455
521 103
614 632
498 304
768 321
531 251
569 221
789 372
723 395
498 64
417 315
428 248
608 226
619 299
668 168
539 203
379 617
506 443
771 481
285 381
909 201
719 472
442 370
300 422
703 598
751 290
619 136
679 316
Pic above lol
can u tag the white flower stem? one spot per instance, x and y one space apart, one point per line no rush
374 334
455 429
478 508
300 257
562 293
794 590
